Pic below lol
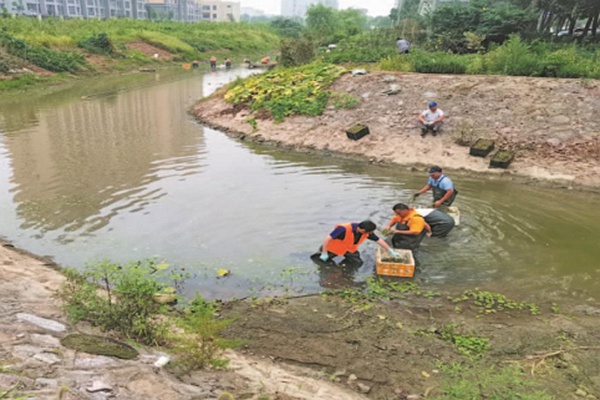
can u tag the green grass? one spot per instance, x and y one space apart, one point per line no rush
61 45
175 37
514 57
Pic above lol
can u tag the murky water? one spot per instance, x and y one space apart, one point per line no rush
115 168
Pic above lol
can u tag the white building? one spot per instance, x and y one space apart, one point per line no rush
176 10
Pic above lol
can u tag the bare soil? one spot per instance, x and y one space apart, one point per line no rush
150 50
393 350
549 122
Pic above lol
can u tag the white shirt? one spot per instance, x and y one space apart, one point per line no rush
402 45
432 116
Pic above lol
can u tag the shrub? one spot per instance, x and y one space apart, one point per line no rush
128 304
439 63
396 63
200 346
98 43
294 52
49 59
513 58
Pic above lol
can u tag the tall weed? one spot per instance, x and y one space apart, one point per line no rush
514 57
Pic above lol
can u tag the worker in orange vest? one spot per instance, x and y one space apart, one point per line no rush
265 60
213 62
344 240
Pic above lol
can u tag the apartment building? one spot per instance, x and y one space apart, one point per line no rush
175 10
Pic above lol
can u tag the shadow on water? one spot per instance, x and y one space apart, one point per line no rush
118 170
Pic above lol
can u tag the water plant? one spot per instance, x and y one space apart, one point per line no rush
468 345
376 289
490 302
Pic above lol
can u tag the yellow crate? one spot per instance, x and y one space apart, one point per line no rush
405 270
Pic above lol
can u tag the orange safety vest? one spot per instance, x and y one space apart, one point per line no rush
265 60
341 247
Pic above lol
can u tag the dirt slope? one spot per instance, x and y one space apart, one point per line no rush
550 122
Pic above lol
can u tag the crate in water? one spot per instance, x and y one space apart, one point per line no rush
403 266
454 213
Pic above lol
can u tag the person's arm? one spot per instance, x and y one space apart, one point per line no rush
422 118
424 189
428 229
391 223
384 245
440 118
326 243
446 196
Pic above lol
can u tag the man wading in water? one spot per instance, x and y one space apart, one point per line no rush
443 189
344 240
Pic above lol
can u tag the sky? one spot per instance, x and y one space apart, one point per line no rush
375 7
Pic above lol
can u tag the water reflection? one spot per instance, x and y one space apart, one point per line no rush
89 156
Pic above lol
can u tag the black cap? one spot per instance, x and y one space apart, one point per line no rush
435 168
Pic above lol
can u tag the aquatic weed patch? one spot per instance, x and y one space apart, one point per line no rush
376 289
285 92
490 302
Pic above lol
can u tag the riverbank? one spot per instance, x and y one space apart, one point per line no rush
381 342
36 53
546 121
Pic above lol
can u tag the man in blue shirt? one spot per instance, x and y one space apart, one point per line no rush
442 187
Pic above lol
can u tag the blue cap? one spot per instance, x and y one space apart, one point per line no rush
433 104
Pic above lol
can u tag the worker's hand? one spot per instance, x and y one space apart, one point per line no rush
415 196
437 203
429 234
394 253
324 257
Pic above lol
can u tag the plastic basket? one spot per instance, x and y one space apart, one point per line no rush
404 269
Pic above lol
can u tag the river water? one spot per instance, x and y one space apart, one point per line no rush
115 168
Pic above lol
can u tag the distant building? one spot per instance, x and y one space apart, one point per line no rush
297 8
426 6
220 11
176 10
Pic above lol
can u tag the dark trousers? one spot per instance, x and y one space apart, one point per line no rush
434 127
350 260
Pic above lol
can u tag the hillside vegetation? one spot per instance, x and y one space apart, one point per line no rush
83 46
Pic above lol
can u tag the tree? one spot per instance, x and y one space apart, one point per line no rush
286 27
352 22
322 23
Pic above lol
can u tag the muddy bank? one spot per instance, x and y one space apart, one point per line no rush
546 121
399 349
392 344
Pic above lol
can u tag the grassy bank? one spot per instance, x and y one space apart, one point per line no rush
514 57
90 46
